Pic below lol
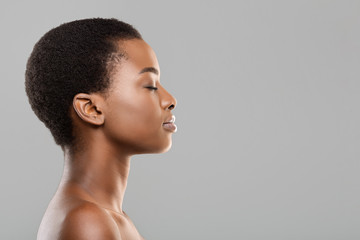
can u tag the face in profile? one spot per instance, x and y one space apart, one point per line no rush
138 105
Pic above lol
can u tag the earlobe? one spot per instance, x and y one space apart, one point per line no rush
88 108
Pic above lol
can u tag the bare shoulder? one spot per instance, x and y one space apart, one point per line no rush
88 221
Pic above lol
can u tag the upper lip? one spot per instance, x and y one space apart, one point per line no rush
171 119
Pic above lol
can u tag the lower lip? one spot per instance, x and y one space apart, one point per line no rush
170 127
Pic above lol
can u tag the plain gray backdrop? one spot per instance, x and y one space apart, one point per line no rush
268 119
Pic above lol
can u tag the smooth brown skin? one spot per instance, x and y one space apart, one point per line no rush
88 201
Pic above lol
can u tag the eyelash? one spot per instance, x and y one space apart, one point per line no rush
153 88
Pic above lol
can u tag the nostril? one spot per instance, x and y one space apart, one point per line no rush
171 107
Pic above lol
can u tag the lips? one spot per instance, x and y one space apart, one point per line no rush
170 120
169 125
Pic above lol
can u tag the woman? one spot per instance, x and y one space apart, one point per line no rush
95 84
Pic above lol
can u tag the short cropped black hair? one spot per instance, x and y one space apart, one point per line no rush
70 59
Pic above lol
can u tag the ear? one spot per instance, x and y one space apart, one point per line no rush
88 107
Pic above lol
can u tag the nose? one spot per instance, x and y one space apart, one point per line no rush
168 102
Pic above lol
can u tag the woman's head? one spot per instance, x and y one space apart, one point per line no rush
88 63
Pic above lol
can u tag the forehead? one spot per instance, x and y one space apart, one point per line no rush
139 55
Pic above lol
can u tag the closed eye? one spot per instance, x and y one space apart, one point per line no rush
153 88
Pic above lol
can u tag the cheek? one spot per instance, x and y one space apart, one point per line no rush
134 116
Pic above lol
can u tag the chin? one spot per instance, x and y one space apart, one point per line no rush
164 148
153 149
167 148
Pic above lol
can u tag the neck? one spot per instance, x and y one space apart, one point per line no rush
98 174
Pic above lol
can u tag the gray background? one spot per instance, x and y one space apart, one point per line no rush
268 119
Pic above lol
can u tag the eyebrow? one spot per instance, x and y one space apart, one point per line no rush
149 69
